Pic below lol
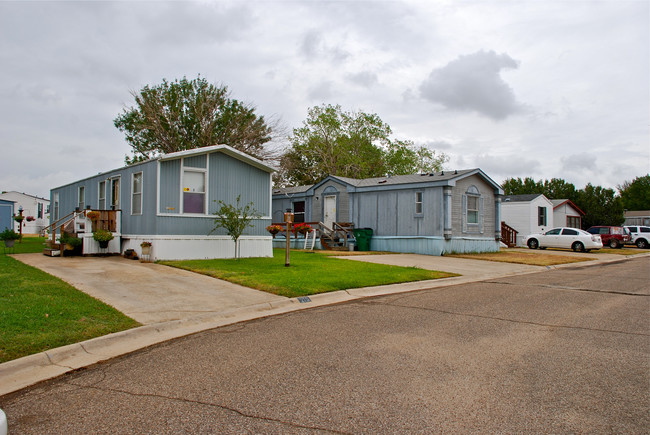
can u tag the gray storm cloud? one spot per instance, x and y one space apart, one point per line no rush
473 83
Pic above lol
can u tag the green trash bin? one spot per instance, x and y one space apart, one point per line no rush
363 236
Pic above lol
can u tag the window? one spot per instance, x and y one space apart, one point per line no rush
193 191
101 204
567 232
56 206
418 202
472 216
553 232
40 210
136 194
541 216
644 230
573 221
472 209
115 193
82 197
299 211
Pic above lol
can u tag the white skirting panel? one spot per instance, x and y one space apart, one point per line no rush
433 245
199 247
91 246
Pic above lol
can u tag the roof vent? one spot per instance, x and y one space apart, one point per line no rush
432 174
456 172
442 173
424 174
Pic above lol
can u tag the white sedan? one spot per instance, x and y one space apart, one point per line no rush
568 238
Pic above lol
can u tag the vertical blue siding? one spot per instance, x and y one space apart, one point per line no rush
229 178
170 186
195 161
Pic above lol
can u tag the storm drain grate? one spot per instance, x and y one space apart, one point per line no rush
304 299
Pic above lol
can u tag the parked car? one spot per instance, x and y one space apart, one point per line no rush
567 238
640 236
614 237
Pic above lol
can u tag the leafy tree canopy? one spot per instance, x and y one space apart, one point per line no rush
635 194
185 114
350 144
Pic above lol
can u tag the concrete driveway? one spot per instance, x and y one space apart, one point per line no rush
149 293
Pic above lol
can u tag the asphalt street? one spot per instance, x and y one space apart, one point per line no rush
558 351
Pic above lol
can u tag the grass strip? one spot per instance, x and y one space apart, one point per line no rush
522 258
309 273
40 312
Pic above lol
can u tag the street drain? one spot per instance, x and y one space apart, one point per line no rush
304 299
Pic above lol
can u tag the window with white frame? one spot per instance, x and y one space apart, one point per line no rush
115 193
193 191
56 206
472 216
136 193
82 197
101 203
418 203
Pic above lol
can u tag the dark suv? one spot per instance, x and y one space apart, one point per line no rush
614 237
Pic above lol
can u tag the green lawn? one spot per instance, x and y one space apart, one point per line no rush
29 244
40 312
309 273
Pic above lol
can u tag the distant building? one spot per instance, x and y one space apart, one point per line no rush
33 207
637 217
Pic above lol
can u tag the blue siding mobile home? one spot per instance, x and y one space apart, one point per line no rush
436 213
170 201
6 214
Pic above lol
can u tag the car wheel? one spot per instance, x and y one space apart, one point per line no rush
578 247
613 243
533 244
642 244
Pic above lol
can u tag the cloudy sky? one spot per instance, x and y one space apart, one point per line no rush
518 88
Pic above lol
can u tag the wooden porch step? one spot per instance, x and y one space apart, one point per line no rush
52 252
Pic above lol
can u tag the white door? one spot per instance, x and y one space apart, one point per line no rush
329 210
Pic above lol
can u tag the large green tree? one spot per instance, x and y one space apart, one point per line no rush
635 194
350 144
186 114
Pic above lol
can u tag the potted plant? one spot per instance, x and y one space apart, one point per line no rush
274 229
93 215
103 237
70 241
146 248
30 219
9 237
301 228
19 219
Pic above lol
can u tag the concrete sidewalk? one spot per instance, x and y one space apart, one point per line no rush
173 303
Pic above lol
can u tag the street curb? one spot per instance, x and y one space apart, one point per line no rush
32 369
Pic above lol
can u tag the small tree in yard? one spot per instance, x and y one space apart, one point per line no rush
234 219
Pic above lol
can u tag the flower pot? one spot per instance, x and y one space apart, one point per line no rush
146 250
10 243
104 244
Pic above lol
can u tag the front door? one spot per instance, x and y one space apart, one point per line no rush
329 210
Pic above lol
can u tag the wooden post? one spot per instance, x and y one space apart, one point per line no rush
288 218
